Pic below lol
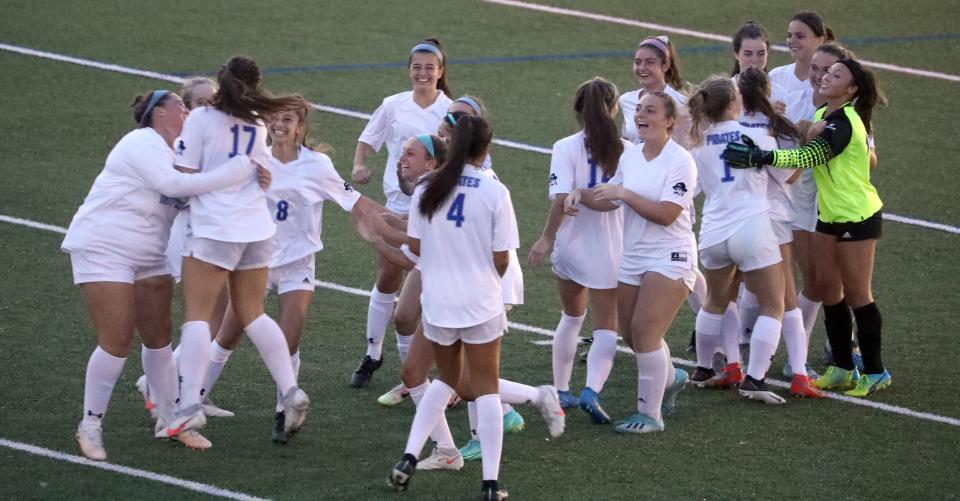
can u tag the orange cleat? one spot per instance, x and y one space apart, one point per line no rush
732 376
801 387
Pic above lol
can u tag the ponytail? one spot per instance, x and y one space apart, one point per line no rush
595 100
755 91
471 139
708 104
239 94
868 95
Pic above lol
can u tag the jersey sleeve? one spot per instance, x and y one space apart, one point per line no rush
375 133
562 170
505 233
415 219
189 147
333 187
681 181
154 170
828 144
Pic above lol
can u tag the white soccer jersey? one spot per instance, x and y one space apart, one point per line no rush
295 199
209 139
126 212
779 193
461 286
732 195
628 106
786 79
398 118
588 247
800 107
512 283
670 177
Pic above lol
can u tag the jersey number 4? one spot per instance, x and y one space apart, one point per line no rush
456 210
236 139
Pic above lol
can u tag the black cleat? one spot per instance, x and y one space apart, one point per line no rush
585 341
493 491
401 473
692 347
703 377
279 435
363 374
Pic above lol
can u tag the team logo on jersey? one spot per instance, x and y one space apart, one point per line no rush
679 189
553 179
679 257
181 147
347 187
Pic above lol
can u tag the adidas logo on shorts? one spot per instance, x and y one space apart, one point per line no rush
306 280
680 257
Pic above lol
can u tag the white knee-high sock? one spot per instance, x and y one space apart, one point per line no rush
403 346
810 310
517 393
441 432
268 338
600 358
379 312
218 360
698 294
295 362
749 310
730 333
103 370
651 382
565 349
194 358
763 345
709 327
671 369
490 432
162 378
472 416
430 410
795 337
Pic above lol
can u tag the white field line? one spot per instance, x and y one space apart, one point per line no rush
207 489
663 28
365 116
903 411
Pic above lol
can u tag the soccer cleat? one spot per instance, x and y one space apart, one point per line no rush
550 409
870 384
732 376
703 377
195 421
210 409
568 400
680 379
858 360
584 341
590 403
364 372
835 378
401 472
493 491
513 422
788 372
719 362
145 392
454 401
90 438
193 439
280 435
692 347
395 396
639 423
801 387
442 460
757 390
471 451
295 406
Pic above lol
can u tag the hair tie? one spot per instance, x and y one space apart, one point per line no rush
427 47
452 120
427 142
155 98
472 103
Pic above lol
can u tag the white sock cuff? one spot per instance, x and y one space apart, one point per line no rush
382 297
767 329
794 313
256 322
219 353
194 325
732 307
446 388
108 358
709 323
604 335
650 355
804 299
145 349
402 338
571 318
483 398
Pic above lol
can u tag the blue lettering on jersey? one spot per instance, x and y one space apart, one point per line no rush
469 182
724 138
177 203
755 126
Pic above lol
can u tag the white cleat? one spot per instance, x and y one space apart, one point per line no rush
210 409
193 421
295 406
90 438
145 393
395 396
190 438
765 396
550 409
442 460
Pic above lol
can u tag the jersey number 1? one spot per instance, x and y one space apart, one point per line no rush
593 174
727 175
236 139
456 210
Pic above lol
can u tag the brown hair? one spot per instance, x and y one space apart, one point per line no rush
186 92
595 98
751 30
670 106
139 106
836 50
755 91
815 23
868 95
708 104
239 93
672 75
302 109
442 82
471 139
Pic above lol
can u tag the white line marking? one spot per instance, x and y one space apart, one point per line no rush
700 34
365 116
547 332
133 472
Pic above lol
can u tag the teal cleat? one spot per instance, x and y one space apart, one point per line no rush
870 384
513 422
639 423
680 379
471 451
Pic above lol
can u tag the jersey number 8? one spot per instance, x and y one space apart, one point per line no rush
282 207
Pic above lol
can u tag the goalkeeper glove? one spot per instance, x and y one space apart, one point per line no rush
746 155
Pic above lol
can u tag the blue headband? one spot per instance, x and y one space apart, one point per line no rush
425 47
452 120
427 143
154 99
472 103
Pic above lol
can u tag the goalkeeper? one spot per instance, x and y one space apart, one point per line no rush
849 221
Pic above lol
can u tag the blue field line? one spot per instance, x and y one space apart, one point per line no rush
618 54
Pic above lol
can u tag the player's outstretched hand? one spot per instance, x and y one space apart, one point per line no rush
744 156
361 174
263 176
539 250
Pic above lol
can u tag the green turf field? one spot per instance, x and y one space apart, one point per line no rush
61 119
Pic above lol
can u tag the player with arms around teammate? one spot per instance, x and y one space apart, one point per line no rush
587 248
462 226
399 117
116 243
850 220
